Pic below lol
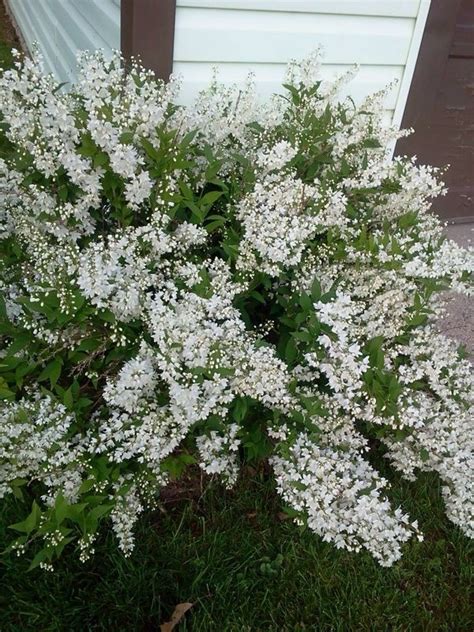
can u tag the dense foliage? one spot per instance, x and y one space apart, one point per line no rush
226 283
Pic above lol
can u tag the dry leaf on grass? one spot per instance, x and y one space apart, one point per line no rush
176 617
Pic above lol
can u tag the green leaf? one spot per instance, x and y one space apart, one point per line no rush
107 316
210 198
416 321
290 512
256 127
306 302
96 514
59 86
240 408
126 138
86 486
20 342
75 389
424 455
76 512
257 296
30 523
61 507
303 335
16 491
290 350
316 290
371 143
52 371
314 406
84 402
41 556
175 464
6 394
294 92
408 219
100 159
195 210
188 139
68 398
58 549
186 191
212 226
401 434
3 309
150 149
375 352
63 193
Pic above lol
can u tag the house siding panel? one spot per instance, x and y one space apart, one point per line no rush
63 27
261 36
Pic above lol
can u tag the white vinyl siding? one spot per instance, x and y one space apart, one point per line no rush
63 27
261 36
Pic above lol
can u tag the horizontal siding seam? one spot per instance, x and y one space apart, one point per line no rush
363 8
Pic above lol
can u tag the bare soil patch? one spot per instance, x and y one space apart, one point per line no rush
7 32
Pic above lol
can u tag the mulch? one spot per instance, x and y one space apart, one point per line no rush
7 32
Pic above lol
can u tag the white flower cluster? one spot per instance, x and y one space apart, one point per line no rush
219 453
339 494
277 223
217 277
124 516
36 444
441 426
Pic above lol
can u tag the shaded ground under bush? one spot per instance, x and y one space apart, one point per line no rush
8 37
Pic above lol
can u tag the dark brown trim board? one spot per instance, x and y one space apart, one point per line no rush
440 105
432 59
147 31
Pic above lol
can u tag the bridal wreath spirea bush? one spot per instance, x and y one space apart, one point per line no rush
215 285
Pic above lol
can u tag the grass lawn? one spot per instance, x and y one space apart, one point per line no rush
243 566
5 54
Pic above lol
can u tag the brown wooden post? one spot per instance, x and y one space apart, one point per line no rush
147 32
440 105
432 60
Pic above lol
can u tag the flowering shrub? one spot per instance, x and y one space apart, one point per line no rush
215 285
